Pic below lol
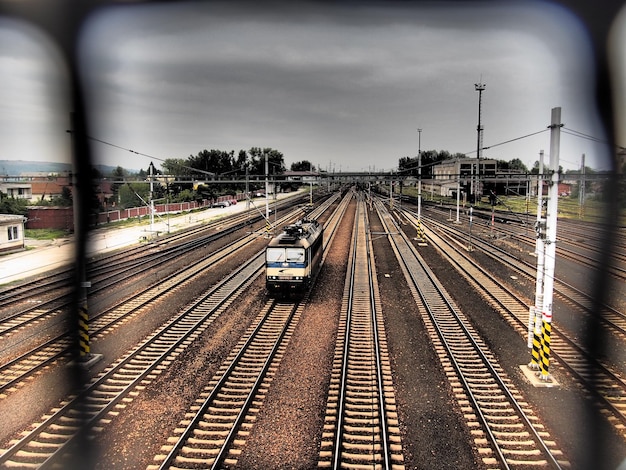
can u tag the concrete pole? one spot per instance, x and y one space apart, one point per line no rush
267 186
458 192
550 250
534 315
151 172
419 177
581 189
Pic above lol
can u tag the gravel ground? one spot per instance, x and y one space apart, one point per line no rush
36 397
136 435
586 439
434 433
287 430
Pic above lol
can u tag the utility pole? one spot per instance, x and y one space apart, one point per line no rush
550 246
420 235
151 173
581 190
534 316
79 195
479 87
550 249
267 186
419 174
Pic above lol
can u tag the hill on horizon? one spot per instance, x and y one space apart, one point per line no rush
23 167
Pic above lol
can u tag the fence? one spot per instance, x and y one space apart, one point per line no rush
172 207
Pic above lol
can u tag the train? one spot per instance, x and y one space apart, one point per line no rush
293 258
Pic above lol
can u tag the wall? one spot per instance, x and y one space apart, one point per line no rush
61 218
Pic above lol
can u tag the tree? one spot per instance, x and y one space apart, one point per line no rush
275 159
176 166
241 163
64 200
535 168
303 165
215 162
10 205
118 175
515 165
131 194
410 165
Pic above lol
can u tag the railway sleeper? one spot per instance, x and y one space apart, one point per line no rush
212 432
348 428
207 442
192 461
203 452
362 448
351 460
359 417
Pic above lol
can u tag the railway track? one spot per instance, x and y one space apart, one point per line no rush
216 429
105 275
17 370
581 248
610 316
599 380
108 270
214 433
89 411
507 433
361 424
53 440
577 241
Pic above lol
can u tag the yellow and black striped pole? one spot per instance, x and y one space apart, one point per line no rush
546 330
268 228
535 343
420 231
83 324
83 331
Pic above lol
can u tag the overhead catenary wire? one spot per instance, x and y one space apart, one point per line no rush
146 155
582 135
508 141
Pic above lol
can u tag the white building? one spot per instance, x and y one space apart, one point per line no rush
449 173
11 232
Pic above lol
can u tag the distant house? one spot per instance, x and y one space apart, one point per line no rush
11 233
448 174
47 188
35 187
17 189
104 192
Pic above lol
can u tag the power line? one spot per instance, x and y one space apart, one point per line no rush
588 137
508 141
146 155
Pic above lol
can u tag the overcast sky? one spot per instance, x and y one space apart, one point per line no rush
343 86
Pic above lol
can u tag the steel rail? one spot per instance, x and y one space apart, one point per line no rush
172 338
406 251
563 289
364 389
607 386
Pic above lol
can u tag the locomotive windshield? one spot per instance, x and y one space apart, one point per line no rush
295 255
275 255
280 255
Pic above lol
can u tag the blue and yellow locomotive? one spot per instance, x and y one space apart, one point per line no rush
293 258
